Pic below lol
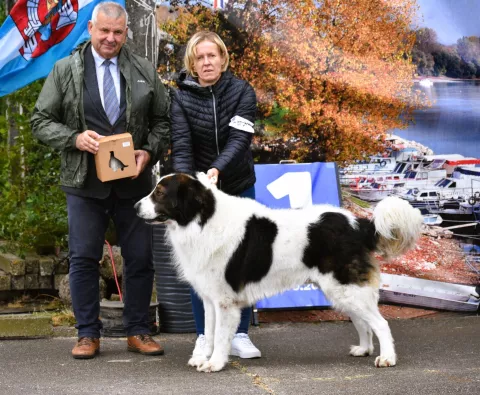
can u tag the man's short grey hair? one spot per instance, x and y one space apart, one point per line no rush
111 9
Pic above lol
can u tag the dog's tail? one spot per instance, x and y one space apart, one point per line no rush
398 226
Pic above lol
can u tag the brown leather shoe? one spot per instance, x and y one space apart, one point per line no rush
86 348
144 344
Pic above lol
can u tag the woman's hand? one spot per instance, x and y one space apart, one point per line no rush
212 174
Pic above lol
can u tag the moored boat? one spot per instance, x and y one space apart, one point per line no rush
426 82
376 192
432 219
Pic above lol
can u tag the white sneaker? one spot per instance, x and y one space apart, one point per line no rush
199 346
243 347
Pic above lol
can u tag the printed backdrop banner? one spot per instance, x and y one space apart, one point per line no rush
36 34
296 186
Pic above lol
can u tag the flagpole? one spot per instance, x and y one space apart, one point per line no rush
12 109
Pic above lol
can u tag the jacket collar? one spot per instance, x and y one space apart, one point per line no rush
124 58
187 82
99 59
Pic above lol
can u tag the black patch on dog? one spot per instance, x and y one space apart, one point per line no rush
335 247
182 198
367 233
252 259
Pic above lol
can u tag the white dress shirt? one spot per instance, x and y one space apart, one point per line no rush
100 69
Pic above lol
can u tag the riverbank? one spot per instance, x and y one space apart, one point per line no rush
450 125
434 258
443 79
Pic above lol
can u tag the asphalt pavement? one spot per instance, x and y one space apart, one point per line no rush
439 355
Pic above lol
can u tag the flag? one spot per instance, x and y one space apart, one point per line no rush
36 34
218 4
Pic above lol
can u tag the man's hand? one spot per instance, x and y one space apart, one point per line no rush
212 174
142 158
86 141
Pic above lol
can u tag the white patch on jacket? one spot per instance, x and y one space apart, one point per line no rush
240 123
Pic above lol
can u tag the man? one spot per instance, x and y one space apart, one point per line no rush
103 89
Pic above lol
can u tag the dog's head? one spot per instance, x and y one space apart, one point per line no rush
180 198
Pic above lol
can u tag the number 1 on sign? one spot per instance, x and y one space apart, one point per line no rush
297 185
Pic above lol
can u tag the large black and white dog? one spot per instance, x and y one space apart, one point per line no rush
235 251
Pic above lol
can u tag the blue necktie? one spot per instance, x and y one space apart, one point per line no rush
110 99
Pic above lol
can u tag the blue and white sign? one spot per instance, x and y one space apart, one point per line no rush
296 186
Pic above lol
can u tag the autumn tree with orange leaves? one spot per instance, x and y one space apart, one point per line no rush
340 70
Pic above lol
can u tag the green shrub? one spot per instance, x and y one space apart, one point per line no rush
33 207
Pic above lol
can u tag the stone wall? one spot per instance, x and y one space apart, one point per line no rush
32 272
48 273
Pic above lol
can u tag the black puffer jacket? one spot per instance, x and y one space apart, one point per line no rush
202 137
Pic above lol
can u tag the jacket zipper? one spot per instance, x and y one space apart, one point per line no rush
216 129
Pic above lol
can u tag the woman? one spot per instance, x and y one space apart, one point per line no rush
212 118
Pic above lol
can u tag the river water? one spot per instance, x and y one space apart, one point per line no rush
452 124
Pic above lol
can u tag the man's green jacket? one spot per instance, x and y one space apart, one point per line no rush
58 117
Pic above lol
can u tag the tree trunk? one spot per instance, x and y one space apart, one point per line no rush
12 108
9 5
142 30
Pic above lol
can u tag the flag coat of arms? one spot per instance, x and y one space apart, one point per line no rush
36 34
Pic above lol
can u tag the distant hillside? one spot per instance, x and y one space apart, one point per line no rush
460 60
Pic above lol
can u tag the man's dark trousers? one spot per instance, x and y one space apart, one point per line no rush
88 222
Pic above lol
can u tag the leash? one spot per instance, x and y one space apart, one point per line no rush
114 270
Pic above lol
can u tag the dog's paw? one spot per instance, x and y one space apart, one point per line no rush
211 366
358 351
197 360
385 361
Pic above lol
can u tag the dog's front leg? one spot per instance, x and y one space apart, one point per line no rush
209 326
201 356
227 318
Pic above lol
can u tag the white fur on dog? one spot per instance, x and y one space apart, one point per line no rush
202 254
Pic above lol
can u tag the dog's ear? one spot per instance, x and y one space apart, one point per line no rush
171 190
182 196
193 199
196 189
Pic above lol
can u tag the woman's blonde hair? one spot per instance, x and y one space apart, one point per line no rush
197 38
